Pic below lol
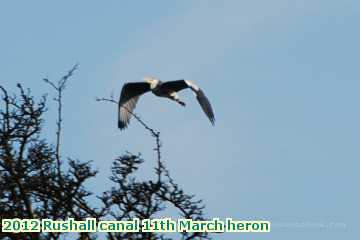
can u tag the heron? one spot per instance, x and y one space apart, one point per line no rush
131 92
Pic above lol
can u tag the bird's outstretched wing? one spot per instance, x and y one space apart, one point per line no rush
175 86
179 85
130 94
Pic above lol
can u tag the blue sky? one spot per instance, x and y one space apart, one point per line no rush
282 77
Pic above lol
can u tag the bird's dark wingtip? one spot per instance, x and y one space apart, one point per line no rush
121 125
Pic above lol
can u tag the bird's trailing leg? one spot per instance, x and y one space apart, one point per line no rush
176 98
181 103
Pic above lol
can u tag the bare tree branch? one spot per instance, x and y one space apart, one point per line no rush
35 184
59 87
144 199
30 169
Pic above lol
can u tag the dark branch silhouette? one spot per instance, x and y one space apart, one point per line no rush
30 169
59 87
143 199
37 181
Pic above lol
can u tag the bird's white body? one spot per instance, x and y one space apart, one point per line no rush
156 89
154 82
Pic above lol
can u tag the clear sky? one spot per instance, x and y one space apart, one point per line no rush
282 76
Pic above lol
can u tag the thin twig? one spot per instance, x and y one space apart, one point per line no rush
111 99
59 87
154 133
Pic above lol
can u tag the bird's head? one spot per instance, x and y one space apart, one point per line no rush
152 81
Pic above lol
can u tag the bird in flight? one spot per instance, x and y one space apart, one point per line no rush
131 92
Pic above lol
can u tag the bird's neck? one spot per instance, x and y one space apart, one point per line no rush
155 84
